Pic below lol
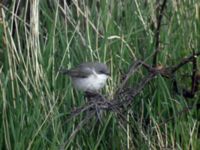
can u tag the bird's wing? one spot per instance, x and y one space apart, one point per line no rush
80 72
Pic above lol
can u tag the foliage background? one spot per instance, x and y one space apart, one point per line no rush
40 37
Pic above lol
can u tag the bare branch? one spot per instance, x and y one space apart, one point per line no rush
159 16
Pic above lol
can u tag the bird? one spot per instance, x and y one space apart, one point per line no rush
88 76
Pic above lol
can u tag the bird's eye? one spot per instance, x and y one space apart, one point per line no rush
102 72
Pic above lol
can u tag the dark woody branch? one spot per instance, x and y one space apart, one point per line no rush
159 16
184 61
125 96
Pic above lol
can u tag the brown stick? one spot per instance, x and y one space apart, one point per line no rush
184 61
159 16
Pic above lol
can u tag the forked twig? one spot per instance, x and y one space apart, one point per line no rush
124 96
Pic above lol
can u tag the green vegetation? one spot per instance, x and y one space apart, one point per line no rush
35 99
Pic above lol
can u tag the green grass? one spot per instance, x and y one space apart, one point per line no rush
35 99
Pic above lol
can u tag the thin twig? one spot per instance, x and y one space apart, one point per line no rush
78 127
194 72
125 96
183 62
159 17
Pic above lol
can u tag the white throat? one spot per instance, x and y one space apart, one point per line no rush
93 82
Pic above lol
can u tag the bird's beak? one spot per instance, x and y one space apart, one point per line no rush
108 74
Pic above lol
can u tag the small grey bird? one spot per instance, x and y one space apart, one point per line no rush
88 77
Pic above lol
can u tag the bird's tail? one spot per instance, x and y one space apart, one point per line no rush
63 71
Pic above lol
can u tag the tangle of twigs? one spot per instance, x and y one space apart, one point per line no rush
124 96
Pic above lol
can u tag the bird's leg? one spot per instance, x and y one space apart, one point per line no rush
89 94
94 96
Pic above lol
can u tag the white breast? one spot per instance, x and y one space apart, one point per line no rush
93 83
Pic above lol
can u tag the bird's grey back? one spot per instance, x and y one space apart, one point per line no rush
85 69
